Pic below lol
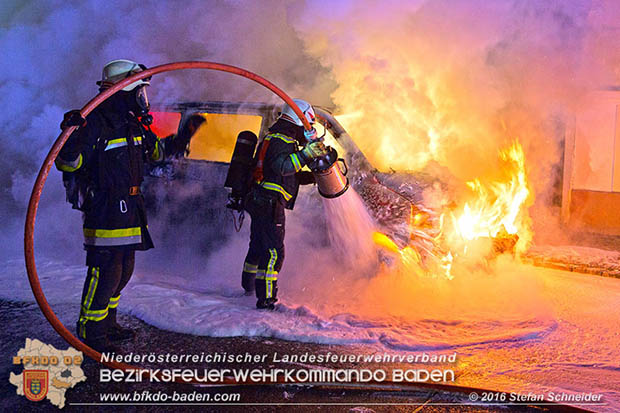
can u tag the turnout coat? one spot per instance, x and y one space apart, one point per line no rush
105 161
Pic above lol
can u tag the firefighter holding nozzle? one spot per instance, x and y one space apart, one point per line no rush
276 178
103 166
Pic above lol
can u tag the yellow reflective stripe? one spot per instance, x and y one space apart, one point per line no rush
296 163
264 277
69 166
115 143
94 317
272 261
251 268
86 314
112 233
270 270
157 154
114 301
94 312
120 142
280 136
82 327
92 287
275 187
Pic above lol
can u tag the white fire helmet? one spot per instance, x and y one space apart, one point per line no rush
289 114
117 70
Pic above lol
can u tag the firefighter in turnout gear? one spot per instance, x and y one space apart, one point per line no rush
276 179
103 166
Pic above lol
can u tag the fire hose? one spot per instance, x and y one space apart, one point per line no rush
39 184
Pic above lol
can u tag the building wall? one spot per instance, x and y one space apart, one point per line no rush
594 198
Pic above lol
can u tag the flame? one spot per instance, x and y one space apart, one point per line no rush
384 241
495 210
497 207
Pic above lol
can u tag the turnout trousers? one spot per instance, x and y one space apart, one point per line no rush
109 271
266 251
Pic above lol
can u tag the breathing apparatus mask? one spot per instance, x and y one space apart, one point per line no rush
141 100
137 98
133 97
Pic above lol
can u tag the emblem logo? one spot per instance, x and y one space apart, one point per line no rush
36 384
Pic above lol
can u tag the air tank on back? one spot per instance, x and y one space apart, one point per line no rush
238 177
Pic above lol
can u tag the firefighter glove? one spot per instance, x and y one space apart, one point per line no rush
72 118
314 150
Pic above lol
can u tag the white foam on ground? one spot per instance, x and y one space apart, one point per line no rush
219 309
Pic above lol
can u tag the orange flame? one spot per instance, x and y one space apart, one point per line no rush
496 209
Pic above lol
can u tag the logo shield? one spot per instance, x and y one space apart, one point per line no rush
36 384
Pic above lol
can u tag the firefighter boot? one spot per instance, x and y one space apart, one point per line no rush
266 303
93 334
116 332
266 293
247 282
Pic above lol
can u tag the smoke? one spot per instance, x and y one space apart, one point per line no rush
454 82
54 52
422 82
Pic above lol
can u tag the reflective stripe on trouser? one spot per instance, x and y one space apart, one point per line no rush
251 268
111 320
266 285
266 280
114 301
86 313
266 246
248 275
108 272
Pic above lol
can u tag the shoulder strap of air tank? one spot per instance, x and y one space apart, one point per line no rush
260 160
258 170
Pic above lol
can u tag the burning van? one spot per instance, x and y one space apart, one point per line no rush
187 190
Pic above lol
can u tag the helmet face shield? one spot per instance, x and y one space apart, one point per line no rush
142 99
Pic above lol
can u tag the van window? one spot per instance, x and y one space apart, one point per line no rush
165 123
215 139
